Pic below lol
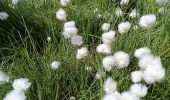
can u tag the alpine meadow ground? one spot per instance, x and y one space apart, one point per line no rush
84 49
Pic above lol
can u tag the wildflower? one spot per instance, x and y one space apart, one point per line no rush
15 95
129 96
141 52
69 24
111 96
109 86
81 53
104 48
61 14
133 14
147 21
64 2
55 65
77 40
3 77
124 27
69 32
136 76
162 10
4 15
121 59
21 84
139 90
107 38
108 63
15 2
118 12
162 2
124 2
105 27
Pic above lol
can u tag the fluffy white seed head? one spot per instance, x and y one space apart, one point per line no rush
129 96
4 15
162 2
141 52
64 2
21 84
69 32
72 98
108 37
124 2
81 53
136 76
139 90
124 27
15 95
61 14
15 2
49 39
3 77
162 10
69 24
121 59
133 14
105 27
55 65
77 40
109 86
104 48
111 96
118 12
108 63
147 21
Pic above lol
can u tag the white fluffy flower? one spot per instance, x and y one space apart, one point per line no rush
15 95
72 98
21 84
105 27
69 24
4 15
129 96
109 86
15 2
133 14
81 53
147 21
162 2
69 32
162 10
77 40
55 65
124 27
104 48
124 2
61 14
136 76
111 96
3 77
108 37
108 63
118 12
121 59
64 2
139 90
141 52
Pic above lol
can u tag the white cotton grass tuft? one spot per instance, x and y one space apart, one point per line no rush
108 37
15 95
48 38
61 14
55 65
15 2
121 59
134 14
104 48
4 15
105 27
81 53
129 96
109 86
21 84
147 21
124 2
162 2
69 24
136 76
139 90
162 10
72 98
111 96
124 27
3 77
118 12
77 40
64 2
108 63
141 52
